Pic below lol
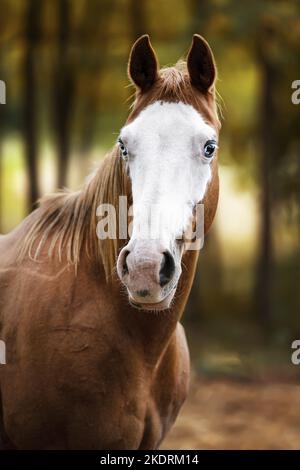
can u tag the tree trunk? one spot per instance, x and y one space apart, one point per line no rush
137 18
89 124
200 13
63 92
30 111
268 148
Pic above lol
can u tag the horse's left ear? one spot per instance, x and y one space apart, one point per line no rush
201 64
143 64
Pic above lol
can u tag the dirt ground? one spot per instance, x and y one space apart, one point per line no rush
224 414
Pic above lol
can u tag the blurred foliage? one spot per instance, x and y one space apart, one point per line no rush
75 53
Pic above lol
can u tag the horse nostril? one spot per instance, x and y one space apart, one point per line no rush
167 269
124 263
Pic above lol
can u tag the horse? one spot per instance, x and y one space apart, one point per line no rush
96 356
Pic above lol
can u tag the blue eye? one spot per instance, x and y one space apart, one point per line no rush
209 148
123 149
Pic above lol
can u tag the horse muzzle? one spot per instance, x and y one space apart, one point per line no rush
150 274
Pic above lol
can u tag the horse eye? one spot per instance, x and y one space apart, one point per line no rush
123 149
209 148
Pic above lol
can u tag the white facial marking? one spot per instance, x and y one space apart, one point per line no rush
165 145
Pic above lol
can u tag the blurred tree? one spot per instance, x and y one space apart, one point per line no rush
259 30
201 12
93 33
137 18
277 53
268 140
32 36
64 87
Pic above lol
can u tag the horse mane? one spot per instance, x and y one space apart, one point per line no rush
65 222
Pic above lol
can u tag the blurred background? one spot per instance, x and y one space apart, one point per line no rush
64 64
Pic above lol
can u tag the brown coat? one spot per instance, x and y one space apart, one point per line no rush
85 370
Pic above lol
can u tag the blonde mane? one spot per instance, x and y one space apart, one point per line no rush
66 223
67 220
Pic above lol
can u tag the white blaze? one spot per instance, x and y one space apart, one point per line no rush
165 145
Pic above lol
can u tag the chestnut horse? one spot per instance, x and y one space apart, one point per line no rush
88 367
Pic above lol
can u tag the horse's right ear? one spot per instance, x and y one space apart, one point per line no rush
143 64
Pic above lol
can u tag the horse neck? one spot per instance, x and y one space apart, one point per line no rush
154 330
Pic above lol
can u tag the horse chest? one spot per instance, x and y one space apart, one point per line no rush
80 384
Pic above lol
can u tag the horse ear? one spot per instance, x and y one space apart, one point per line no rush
201 64
143 64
